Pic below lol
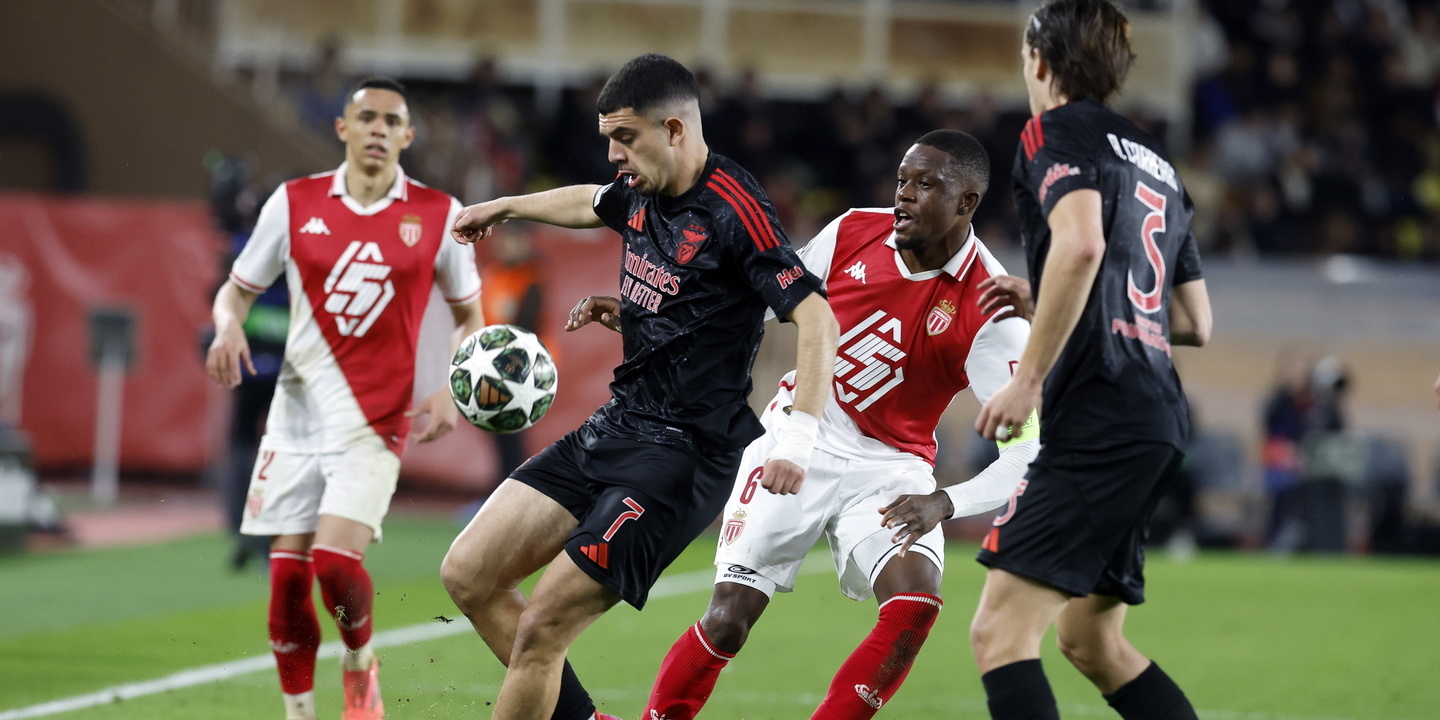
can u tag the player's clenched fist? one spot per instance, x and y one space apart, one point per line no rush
476 222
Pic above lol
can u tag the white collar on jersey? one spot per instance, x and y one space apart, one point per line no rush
957 265
400 190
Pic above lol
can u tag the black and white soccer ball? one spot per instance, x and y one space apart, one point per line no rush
502 379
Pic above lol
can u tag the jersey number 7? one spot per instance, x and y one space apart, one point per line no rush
1154 224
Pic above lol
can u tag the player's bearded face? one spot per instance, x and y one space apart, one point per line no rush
639 149
927 196
376 127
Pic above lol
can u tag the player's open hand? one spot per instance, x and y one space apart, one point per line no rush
782 477
229 351
476 222
443 416
911 516
596 308
1008 409
1008 294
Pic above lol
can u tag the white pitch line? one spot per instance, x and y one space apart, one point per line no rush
664 587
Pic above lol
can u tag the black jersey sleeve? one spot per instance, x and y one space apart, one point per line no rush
1058 159
612 205
756 241
1187 263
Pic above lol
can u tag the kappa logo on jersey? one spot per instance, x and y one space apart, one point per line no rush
637 221
871 697
867 364
358 288
315 226
410 230
694 236
857 271
940 317
1057 172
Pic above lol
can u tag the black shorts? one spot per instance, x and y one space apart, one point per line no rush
639 504
1079 520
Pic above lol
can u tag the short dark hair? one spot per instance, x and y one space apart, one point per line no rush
966 154
1086 43
380 83
646 83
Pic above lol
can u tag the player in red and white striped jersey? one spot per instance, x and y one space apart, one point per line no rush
907 285
360 248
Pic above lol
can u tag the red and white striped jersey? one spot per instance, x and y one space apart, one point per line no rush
909 342
359 280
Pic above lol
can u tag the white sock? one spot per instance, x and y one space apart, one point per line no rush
301 706
357 659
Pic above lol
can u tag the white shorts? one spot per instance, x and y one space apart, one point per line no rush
840 498
290 491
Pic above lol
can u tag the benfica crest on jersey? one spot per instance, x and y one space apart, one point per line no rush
939 318
410 229
733 527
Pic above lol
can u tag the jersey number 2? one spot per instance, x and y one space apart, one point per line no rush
1154 224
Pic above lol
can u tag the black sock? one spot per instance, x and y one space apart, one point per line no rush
574 702
1019 691
1152 695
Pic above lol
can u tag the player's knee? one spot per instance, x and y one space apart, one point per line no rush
537 637
981 637
1090 652
467 587
727 627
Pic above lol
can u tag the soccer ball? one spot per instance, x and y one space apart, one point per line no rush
502 379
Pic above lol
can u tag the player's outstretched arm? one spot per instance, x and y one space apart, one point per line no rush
568 207
230 350
1190 317
785 467
1077 245
595 308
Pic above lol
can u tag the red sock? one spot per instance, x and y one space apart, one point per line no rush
294 629
687 676
346 589
872 674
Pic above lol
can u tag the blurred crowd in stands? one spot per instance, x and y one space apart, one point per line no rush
1313 131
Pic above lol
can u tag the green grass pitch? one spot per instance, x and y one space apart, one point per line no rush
1250 637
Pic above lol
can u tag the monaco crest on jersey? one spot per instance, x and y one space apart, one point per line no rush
940 317
410 229
734 526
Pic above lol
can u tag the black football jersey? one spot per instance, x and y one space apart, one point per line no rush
1114 381
697 274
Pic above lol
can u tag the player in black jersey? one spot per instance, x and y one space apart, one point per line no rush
613 503
1117 281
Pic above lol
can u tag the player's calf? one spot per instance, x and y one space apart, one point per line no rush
874 672
689 671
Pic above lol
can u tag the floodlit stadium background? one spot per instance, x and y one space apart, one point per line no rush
137 138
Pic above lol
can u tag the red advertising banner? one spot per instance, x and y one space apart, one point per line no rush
63 258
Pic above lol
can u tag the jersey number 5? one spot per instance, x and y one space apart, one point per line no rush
1154 224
